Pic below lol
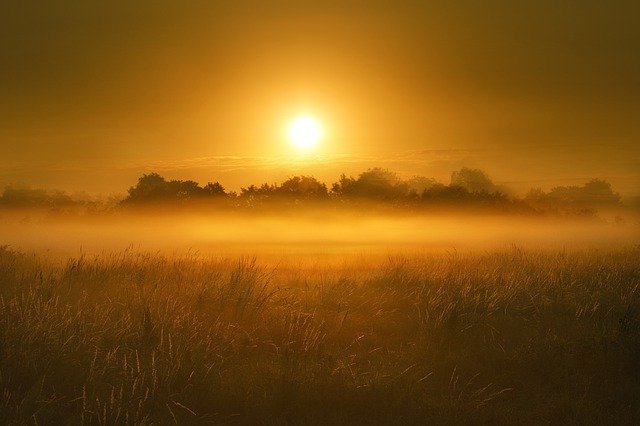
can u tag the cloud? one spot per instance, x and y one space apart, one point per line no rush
235 163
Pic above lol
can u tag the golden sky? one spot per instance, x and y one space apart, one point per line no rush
93 93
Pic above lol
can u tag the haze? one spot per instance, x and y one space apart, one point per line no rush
325 236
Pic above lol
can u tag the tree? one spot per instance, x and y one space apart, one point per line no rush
214 190
599 192
535 196
153 187
473 180
150 186
419 184
253 192
596 192
376 183
303 187
344 186
184 189
26 197
445 193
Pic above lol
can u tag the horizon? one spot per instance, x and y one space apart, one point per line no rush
128 179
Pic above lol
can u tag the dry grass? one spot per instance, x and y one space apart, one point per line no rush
130 338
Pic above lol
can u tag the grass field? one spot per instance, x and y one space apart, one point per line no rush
541 336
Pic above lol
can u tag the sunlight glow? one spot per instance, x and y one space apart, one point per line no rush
305 132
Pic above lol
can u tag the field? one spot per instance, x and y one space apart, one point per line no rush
498 336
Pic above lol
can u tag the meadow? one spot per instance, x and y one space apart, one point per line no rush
527 335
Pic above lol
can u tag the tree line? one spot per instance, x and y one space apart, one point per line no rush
467 186
374 184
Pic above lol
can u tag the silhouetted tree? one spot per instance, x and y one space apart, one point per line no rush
595 193
376 183
214 189
254 193
296 187
445 193
535 196
184 189
344 186
303 187
598 192
419 184
153 187
456 194
27 197
249 191
473 180
150 186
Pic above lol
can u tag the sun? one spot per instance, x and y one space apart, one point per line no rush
305 132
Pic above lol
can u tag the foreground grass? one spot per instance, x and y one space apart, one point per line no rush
129 338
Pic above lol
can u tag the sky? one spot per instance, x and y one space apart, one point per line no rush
93 93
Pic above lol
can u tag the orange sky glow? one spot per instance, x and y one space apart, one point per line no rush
536 94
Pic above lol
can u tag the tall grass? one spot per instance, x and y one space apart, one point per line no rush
138 338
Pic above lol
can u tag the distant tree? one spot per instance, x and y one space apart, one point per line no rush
267 189
150 186
563 195
473 180
184 189
376 183
249 191
599 192
153 187
27 197
344 186
445 193
303 187
595 193
24 197
296 187
214 190
457 194
418 184
535 196
253 192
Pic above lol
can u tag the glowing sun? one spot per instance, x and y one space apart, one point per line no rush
305 132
